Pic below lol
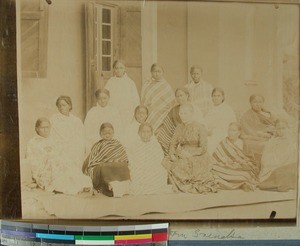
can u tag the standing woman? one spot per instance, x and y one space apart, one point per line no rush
68 131
157 96
218 119
123 93
200 91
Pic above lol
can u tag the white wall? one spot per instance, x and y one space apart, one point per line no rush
172 41
238 46
66 68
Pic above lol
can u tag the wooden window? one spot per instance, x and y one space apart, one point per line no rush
101 46
34 30
106 40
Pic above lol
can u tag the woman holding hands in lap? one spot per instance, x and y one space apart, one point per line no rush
258 126
188 163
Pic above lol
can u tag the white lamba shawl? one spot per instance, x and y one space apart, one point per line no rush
95 117
147 174
123 96
278 152
51 169
68 134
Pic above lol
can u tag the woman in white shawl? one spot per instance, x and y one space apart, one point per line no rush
147 174
68 131
99 114
123 93
218 119
50 170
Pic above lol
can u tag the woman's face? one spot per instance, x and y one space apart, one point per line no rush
107 133
119 69
186 115
181 97
63 107
157 73
233 132
103 99
43 129
217 98
141 115
145 134
257 103
196 75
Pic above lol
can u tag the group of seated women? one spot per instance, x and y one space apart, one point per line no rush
188 141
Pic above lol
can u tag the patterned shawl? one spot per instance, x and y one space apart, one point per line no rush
227 152
105 151
166 130
233 168
159 98
200 95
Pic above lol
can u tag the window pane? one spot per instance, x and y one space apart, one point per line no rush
106 63
106 48
106 16
106 32
30 45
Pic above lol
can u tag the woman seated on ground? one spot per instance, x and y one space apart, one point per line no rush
258 127
218 119
50 170
107 164
188 163
233 169
148 176
172 120
131 133
279 160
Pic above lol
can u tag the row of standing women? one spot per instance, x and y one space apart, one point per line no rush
201 146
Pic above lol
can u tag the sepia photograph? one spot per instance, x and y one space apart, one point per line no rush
184 110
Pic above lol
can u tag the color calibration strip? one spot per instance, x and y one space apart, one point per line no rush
16 233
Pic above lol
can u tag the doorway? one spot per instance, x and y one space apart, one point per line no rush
113 31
